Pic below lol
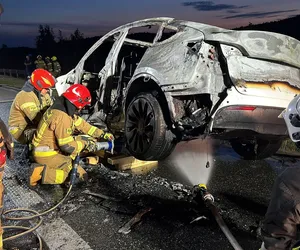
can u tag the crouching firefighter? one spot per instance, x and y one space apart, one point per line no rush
29 105
6 149
54 144
279 227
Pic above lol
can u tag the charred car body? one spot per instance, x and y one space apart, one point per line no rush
191 80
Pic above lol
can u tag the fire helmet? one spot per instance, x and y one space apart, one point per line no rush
78 95
292 118
42 79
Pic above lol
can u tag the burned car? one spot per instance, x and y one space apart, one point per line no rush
187 80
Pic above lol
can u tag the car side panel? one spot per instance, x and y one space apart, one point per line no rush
183 66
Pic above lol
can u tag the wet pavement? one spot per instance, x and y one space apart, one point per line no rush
241 189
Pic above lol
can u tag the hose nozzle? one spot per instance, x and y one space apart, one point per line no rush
108 146
206 196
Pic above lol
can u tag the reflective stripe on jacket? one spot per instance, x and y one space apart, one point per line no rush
25 110
56 131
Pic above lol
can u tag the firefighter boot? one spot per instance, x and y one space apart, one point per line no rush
35 173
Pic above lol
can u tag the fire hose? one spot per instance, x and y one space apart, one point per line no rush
209 202
100 146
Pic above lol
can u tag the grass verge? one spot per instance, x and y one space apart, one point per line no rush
12 81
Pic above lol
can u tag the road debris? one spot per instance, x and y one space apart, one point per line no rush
126 229
199 218
102 196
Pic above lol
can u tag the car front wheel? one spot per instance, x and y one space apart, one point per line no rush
146 132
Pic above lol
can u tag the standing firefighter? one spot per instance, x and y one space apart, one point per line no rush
40 63
29 105
56 66
28 65
6 149
279 228
55 145
49 65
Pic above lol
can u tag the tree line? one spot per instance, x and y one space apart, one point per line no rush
70 49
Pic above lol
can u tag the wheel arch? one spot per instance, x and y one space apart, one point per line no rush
148 83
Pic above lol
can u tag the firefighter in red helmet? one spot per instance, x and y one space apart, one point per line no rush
54 144
29 105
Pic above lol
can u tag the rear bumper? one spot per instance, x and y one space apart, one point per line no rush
262 120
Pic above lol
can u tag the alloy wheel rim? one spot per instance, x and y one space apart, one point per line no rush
140 125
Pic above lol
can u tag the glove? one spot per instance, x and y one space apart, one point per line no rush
108 136
91 146
8 141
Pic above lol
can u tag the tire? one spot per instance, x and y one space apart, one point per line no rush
259 150
146 133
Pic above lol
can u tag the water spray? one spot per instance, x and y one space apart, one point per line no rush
209 202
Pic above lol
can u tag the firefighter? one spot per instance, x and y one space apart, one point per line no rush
28 65
56 66
6 149
279 227
49 64
40 63
29 105
55 145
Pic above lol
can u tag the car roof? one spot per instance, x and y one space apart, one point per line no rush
253 43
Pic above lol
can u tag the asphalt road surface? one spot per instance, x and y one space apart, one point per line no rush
241 189
6 94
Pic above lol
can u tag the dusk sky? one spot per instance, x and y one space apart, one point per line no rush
20 20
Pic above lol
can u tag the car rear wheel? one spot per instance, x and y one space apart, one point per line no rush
255 150
147 135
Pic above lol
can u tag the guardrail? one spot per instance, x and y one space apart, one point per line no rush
13 73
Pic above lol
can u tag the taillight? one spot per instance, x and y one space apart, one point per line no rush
246 108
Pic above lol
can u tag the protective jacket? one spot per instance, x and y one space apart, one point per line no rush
40 64
55 133
55 144
56 69
26 111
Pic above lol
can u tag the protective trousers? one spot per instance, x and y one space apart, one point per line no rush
57 168
279 228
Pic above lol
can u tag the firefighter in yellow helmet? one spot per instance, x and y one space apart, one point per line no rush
55 145
6 149
40 63
56 66
29 105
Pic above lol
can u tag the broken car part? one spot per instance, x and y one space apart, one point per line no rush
101 196
126 229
